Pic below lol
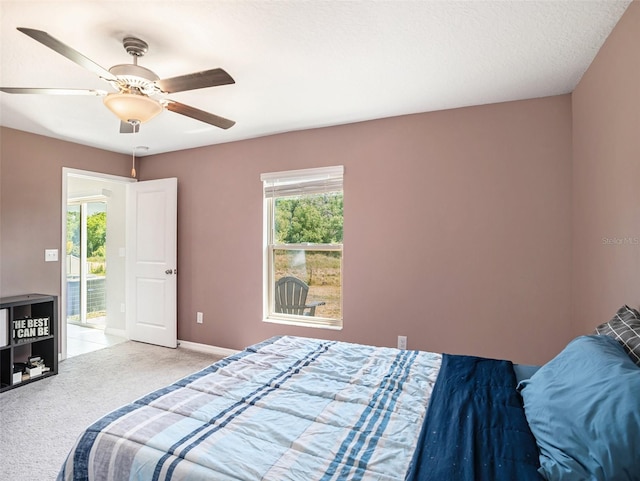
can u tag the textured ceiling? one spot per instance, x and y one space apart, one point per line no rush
297 64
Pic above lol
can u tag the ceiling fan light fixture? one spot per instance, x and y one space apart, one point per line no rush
132 107
139 89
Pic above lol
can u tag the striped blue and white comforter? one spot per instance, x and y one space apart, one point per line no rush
286 409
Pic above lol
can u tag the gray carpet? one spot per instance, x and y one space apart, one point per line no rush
40 422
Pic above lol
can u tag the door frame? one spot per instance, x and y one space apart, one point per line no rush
66 173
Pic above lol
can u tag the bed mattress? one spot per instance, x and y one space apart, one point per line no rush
289 408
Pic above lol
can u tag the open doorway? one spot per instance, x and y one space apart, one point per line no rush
93 267
86 261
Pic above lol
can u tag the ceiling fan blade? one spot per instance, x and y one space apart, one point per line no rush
54 44
201 115
128 128
46 91
197 80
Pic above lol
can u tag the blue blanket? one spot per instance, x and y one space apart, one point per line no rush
475 428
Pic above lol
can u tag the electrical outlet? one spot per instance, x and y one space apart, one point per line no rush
199 317
402 342
51 255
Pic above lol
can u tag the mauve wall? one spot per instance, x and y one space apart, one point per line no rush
477 230
606 179
457 230
31 205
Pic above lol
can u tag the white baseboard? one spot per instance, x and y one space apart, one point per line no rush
194 346
116 332
206 348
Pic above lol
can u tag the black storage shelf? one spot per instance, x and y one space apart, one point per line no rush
30 306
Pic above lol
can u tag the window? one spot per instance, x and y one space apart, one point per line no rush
303 223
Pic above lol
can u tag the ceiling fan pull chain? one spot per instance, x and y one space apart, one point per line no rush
133 164
135 124
143 148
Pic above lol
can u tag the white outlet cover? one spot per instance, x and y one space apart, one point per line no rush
51 255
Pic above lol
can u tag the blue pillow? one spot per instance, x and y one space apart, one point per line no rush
583 407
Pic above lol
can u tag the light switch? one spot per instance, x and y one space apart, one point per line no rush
51 255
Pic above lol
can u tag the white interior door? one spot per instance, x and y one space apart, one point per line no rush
152 262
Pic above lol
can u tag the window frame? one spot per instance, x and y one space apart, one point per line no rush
291 183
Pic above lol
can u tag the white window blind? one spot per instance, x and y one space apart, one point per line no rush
302 182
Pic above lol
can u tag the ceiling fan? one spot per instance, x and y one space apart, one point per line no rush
139 91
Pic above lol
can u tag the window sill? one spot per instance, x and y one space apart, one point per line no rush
302 323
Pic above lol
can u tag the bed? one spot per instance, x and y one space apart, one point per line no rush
293 408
